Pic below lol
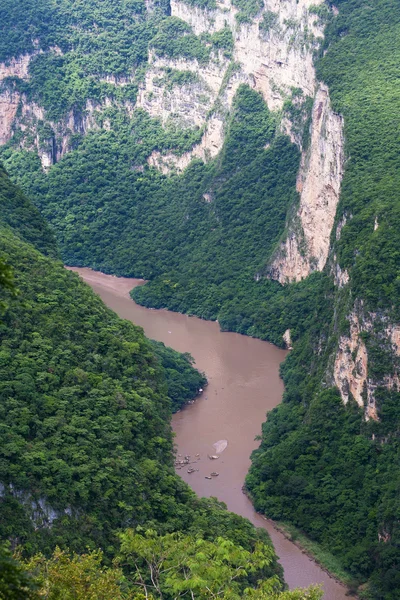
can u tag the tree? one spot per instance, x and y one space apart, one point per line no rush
15 583
78 577
178 566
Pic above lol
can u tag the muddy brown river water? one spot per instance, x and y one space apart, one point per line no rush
244 383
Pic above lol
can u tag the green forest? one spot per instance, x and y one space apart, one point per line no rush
203 239
320 465
86 454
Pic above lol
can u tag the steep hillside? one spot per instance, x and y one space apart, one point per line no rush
329 460
86 445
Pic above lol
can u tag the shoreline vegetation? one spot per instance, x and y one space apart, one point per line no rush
328 563
315 552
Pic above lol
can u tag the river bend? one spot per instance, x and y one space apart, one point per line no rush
244 383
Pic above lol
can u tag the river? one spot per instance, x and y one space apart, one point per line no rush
244 383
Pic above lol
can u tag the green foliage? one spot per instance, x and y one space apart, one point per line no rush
84 42
269 22
172 565
204 4
78 577
175 38
18 213
153 566
298 109
223 39
361 69
174 77
15 583
201 237
175 564
321 466
248 9
183 381
86 445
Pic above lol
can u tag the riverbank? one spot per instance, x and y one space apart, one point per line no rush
318 554
315 552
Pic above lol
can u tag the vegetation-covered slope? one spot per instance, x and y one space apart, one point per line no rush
86 446
320 465
200 237
153 567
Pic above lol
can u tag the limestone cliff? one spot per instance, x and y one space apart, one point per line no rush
273 54
351 372
50 139
307 242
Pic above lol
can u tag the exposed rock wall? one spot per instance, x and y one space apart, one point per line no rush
39 510
208 148
9 102
9 99
188 105
307 243
351 364
274 55
340 276
287 339
274 62
350 370
17 112
16 67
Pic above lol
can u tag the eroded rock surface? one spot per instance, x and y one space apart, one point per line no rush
350 370
307 244
274 60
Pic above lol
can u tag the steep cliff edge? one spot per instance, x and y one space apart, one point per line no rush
22 116
192 73
307 243
207 95
86 399
272 52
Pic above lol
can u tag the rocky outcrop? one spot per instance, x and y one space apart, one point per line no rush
10 98
272 56
275 53
350 369
16 67
208 148
51 139
340 276
9 102
186 105
40 512
287 339
306 246
351 364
